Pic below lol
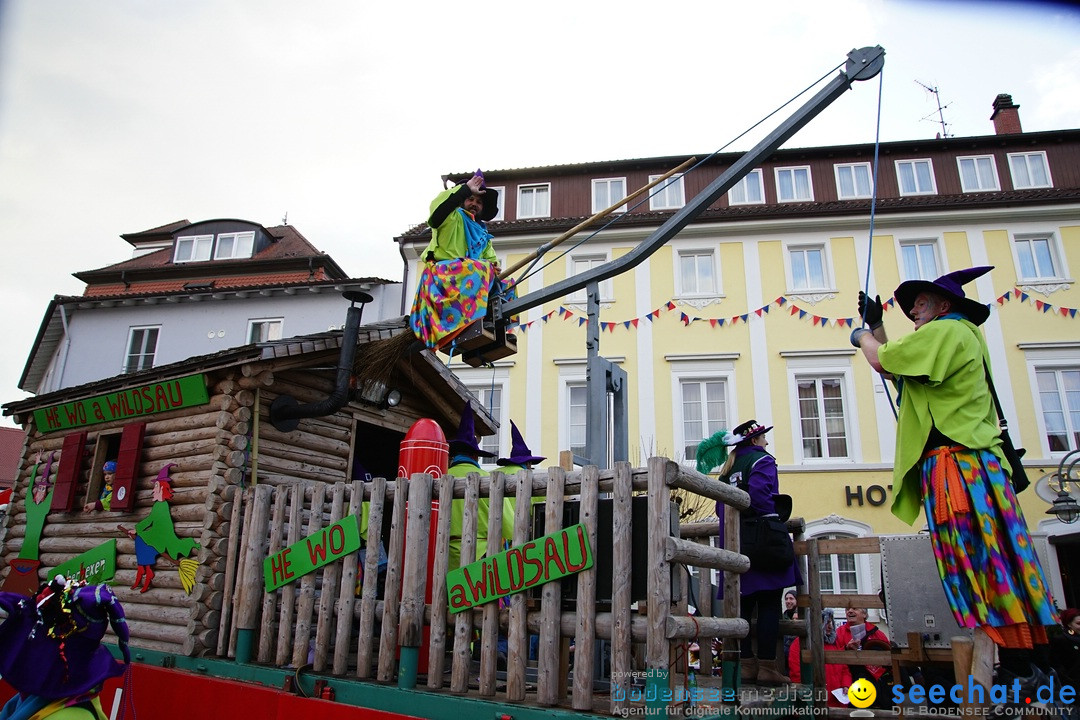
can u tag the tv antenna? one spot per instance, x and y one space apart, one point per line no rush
940 110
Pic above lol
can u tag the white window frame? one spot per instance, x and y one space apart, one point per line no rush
126 366
202 246
1027 158
867 567
700 369
993 184
920 242
1062 355
693 296
534 189
855 194
794 171
819 364
577 264
1072 425
915 176
810 294
501 214
571 374
243 245
1045 284
606 183
738 195
271 323
668 195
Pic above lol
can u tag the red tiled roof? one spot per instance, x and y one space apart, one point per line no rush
228 282
11 443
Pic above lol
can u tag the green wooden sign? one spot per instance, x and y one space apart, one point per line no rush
133 402
96 565
536 562
311 553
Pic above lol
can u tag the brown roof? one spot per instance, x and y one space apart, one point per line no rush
233 282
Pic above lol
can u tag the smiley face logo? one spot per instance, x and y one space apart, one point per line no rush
862 693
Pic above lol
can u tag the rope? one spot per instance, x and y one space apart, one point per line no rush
873 215
616 217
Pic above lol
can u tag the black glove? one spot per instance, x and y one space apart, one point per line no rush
870 310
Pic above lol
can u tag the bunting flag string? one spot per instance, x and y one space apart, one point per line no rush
687 320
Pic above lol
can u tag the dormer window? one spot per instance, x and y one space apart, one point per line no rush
234 245
194 248
226 246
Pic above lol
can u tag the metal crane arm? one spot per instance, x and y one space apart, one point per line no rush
862 64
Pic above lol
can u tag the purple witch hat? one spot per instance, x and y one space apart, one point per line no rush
50 643
465 440
949 286
520 454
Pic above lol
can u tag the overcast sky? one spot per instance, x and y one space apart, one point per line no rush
121 115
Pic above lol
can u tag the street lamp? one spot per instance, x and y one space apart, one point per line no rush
1065 506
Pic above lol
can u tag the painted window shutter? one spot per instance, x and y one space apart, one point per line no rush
67 476
127 466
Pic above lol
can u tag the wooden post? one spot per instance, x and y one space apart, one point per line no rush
347 588
659 590
277 526
517 645
621 569
369 597
585 637
388 634
306 605
247 615
288 593
231 566
732 591
489 628
817 642
463 621
414 573
704 606
331 576
437 647
548 659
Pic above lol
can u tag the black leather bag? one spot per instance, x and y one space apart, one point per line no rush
1013 454
765 540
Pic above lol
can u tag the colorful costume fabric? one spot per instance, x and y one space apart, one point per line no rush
988 566
451 294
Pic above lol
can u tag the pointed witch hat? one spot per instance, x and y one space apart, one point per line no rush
465 440
520 454
949 286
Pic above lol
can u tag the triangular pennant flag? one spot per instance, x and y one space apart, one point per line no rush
1064 312
734 319
635 321
802 314
712 322
720 322
814 320
758 311
1039 304
670 305
1001 300
656 313
1072 312
1023 297
1016 292
744 316
795 309
1047 307
781 300
766 309
582 321
626 323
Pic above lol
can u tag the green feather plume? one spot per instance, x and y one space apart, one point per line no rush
712 452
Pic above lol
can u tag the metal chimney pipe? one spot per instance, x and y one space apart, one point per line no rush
286 413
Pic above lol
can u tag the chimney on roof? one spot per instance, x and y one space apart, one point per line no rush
1006 116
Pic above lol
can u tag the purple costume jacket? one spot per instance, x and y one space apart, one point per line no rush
762 485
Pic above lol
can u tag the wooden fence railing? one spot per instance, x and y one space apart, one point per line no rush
320 619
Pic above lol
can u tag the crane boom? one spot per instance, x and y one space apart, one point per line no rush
862 64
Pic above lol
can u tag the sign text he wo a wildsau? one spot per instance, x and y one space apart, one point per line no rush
536 562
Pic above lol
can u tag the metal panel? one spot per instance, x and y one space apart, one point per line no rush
914 598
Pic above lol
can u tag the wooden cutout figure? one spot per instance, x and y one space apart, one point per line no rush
22 578
155 535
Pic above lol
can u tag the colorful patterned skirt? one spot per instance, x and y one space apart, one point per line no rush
988 566
450 296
